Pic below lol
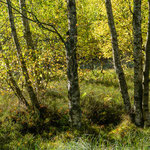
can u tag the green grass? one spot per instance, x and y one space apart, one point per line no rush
104 123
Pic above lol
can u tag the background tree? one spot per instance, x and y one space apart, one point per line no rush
29 41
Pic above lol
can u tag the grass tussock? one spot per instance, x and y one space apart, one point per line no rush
104 123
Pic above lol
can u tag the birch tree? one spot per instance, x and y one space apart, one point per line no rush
137 52
146 76
72 66
116 57
29 87
27 32
11 81
29 40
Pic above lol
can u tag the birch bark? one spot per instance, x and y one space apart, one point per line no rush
137 43
72 66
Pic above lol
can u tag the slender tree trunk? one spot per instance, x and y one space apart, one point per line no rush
30 90
27 32
146 76
11 79
138 91
28 38
72 66
116 57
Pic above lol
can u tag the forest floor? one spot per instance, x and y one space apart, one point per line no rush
104 123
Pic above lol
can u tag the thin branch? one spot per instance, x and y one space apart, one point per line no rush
130 9
4 23
40 24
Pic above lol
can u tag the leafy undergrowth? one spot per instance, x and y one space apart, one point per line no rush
104 123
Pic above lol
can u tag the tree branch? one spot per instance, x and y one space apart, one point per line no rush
129 4
39 23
